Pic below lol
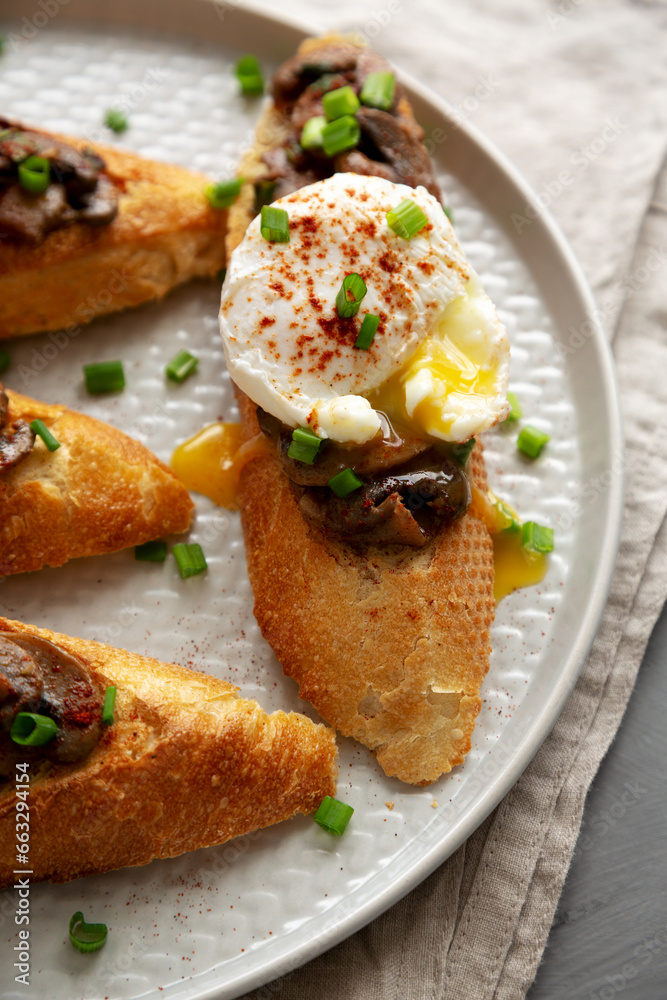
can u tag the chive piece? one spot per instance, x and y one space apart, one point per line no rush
249 74
222 274
41 430
368 330
304 446
4 361
341 134
189 559
378 90
33 730
407 219
108 706
537 538
275 224
86 937
181 366
531 441
509 518
224 193
350 295
104 376
340 102
448 212
311 134
35 174
116 120
344 483
461 452
333 815
151 551
515 407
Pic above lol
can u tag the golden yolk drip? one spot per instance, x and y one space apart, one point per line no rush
514 566
211 462
450 365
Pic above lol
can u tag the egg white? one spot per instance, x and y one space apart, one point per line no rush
439 361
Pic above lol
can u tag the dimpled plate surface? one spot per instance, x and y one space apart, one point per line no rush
216 922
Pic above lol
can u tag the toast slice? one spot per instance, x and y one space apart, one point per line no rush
164 234
101 491
390 644
186 764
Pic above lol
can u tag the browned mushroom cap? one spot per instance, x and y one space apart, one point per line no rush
36 673
15 442
398 509
21 682
392 140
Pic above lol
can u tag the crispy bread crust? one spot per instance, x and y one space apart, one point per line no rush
389 644
101 491
187 764
164 234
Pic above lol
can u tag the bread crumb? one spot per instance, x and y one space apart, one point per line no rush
389 805
434 804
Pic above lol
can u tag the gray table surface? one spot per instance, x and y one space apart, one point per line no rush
609 938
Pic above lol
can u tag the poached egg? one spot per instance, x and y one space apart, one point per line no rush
439 362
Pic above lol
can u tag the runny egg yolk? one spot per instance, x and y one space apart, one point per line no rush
451 379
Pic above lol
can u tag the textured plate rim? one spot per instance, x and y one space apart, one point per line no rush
260 19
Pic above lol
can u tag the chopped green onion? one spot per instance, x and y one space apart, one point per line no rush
515 407
3 42
86 937
264 192
181 366
407 219
340 102
344 483
537 538
448 213
508 517
224 193
104 376
249 74
350 295
151 551
333 815
35 174
189 559
275 224
108 706
116 120
378 90
4 361
33 730
222 274
461 452
531 441
41 430
311 134
368 330
304 446
341 134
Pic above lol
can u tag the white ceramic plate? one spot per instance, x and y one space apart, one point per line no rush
221 921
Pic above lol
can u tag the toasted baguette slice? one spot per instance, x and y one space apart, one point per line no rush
164 234
389 644
101 491
186 764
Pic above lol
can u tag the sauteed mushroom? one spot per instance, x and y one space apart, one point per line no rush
16 441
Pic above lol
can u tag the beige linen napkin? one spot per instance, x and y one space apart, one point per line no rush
575 95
